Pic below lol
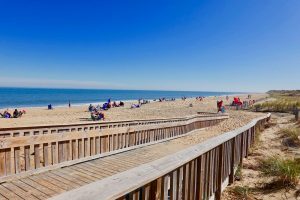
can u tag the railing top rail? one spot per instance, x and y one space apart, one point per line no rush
104 123
117 185
11 142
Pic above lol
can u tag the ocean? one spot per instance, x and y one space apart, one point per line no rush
38 97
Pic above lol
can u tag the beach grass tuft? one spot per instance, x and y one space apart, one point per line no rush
238 174
285 171
242 192
292 132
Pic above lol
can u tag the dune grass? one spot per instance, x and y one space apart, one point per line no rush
284 102
292 133
285 171
238 173
279 105
243 192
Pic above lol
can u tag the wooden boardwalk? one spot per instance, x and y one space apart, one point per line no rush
30 150
201 171
57 181
44 162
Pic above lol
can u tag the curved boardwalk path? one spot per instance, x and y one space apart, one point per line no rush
47 184
57 181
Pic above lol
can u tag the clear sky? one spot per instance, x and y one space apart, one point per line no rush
225 45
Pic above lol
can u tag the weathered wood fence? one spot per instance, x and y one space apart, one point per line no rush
50 129
199 172
44 149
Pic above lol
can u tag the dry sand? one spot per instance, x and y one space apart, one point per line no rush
270 145
237 119
154 110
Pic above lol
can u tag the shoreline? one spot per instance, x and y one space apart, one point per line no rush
37 116
102 102
29 98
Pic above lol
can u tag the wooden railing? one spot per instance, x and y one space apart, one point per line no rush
50 129
199 172
29 154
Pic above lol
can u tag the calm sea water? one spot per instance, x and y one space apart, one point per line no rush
33 97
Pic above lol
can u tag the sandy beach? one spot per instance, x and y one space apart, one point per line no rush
153 110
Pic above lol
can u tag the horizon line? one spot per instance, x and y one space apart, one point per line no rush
74 88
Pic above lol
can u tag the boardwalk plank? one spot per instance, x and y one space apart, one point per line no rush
38 186
8 194
19 191
47 183
37 193
69 178
63 180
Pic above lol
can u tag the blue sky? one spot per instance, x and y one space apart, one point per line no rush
232 45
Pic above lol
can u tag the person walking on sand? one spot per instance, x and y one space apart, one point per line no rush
69 104
219 105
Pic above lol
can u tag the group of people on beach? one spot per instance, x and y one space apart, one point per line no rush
140 103
143 101
105 106
96 113
236 103
200 98
165 99
16 114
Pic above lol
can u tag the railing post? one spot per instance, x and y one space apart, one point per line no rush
220 170
297 113
164 188
198 179
231 175
242 150
247 142
153 190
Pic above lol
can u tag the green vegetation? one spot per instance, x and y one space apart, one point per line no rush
285 171
291 93
286 101
243 192
238 173
278 105
292 133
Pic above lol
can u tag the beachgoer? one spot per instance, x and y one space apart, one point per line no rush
91 107
135 106
115 104
105 106
6 114
16 114
101 115
219 105
69 104
223 109
50 107
97 116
